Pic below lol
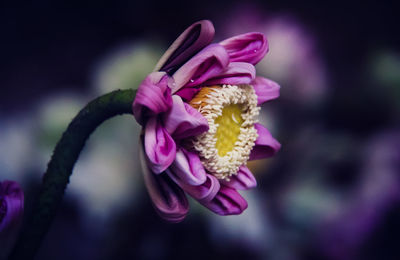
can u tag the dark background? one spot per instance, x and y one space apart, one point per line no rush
48 48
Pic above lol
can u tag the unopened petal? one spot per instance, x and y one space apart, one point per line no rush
152 97
183 121
168 199
235 74
159 146
227 202
248 47
265 89
243 180
187 168
192 40
204 192
265 146
208 63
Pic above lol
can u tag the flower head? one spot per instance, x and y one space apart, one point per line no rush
199 112
11 212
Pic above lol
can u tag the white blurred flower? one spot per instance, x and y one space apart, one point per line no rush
125 67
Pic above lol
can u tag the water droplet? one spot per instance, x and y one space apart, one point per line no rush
192 80
255 50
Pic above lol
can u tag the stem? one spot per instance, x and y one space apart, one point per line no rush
60 167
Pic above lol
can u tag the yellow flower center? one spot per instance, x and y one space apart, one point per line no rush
228 130
231 112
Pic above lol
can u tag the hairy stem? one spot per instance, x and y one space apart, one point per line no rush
60 167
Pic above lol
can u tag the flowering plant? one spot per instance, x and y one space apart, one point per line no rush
199 111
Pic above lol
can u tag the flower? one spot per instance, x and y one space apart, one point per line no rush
11 212
199 110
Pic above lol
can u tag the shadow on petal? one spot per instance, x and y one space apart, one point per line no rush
191 41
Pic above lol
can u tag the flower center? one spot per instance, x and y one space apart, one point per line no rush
228 130
3 208
231 112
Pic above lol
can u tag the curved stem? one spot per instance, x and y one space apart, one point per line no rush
60 167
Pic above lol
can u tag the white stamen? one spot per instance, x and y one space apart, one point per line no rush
225 166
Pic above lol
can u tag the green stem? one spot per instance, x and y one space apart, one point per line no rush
60 167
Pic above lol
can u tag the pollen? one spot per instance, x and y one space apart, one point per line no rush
228 130
231 112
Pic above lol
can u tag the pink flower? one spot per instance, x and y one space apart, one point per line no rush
11 212
199 114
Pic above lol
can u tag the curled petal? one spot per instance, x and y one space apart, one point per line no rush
244 180
227 202
208 63
265 89
248 47
159 146
152 97
192 40
265 145
187 168
236 73
204 192
183 120
11 214
188 93
168 199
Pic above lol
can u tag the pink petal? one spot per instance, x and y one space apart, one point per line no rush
11 215
183 121
153 97
192 40
265 89
208 63
187 168
248 47
244 180
204 192
265 145
159 146
227 202
188 93
236 73
168 199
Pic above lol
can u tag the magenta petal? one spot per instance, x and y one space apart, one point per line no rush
183 121
188 93
187 168
192 40
152 97
227 202
208 63
265 89
11 214
265 145
244 180
235 74
168 199
204 192
248 47
159 145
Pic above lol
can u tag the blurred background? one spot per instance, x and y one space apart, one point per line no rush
332 192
